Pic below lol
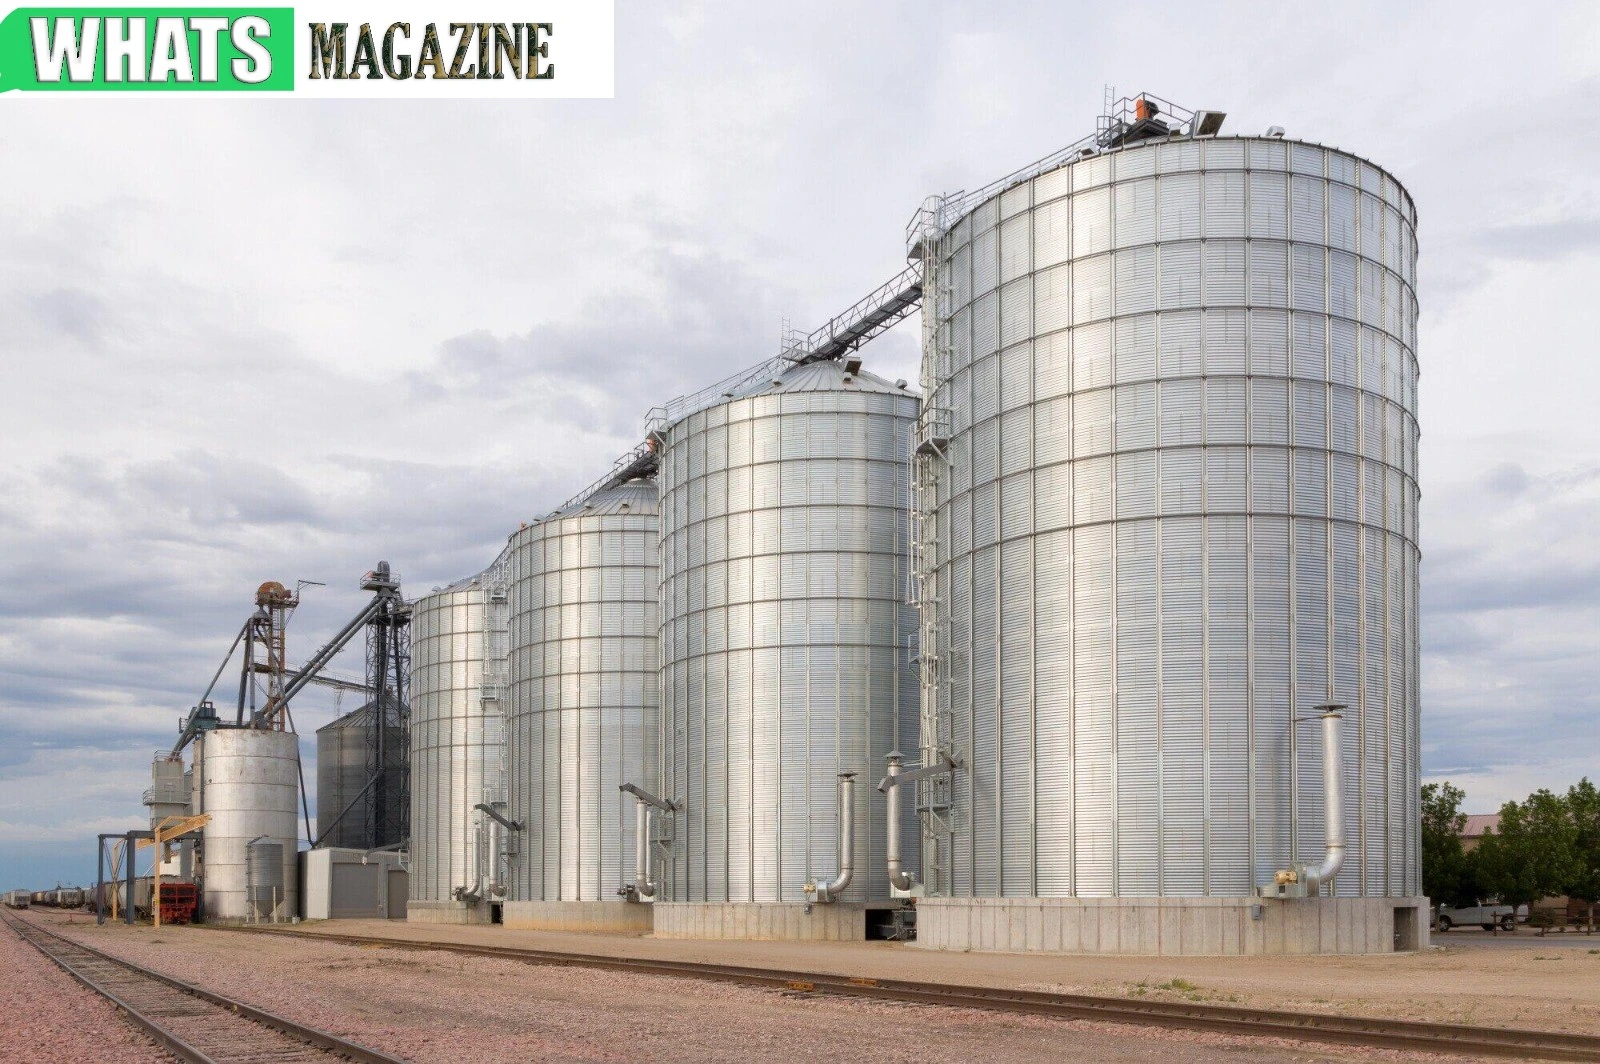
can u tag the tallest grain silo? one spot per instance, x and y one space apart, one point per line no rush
1167 484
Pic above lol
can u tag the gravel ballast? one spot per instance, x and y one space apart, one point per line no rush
433 1006
46 1017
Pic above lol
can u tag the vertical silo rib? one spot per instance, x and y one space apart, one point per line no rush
1033 671
1206 747
1326 443
970 655
1071 708
1366 813
1252 820
1293 636
1364 636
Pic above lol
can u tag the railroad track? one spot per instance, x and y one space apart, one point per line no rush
1374 1032
191 1023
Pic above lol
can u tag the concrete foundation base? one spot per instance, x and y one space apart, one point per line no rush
613 916
1174 927
761 921
448 912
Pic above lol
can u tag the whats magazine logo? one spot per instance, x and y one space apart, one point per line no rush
545 48
122 49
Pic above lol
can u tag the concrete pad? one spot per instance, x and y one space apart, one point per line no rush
760 921
448 912
1328 926
1018 920
1160 926
1169 928
585 916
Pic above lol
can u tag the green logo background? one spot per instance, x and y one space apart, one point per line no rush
17 64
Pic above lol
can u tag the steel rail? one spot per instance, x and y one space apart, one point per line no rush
58 948
1368 1031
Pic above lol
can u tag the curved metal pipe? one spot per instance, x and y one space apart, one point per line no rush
898 879
825 893
644 886
1333 812
644 889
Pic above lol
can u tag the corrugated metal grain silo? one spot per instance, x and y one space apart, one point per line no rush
584 715
1170 443
785 638
345 759
342 750
458 668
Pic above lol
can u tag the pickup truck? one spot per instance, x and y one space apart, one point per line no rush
1485 916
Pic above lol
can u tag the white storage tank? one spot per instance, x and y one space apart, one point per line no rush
1171 448
785 639
458 662
584 714
252 793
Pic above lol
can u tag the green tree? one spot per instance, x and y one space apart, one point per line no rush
1532 854
1583 803
1447 874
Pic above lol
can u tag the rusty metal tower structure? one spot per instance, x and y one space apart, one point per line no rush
267 630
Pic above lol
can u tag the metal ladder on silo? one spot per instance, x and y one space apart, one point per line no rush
496 632
935 807
492 698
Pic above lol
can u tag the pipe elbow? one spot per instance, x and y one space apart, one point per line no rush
899 879
1332 861
828 893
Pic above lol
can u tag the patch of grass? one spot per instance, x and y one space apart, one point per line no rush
1182 987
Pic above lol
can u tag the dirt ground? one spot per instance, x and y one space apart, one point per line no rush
1468 977
436 1006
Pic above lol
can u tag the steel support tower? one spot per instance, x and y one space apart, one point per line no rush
388 676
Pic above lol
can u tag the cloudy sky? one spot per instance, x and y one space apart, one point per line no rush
283 339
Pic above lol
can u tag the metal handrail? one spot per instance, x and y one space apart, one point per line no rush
659 417
641 461
882 307
953 207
